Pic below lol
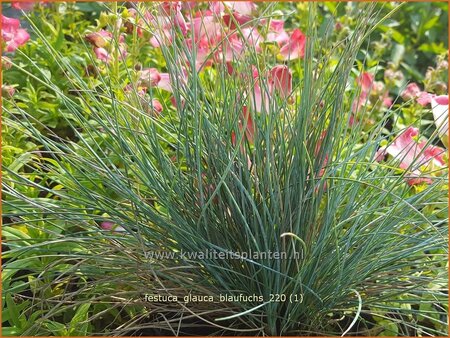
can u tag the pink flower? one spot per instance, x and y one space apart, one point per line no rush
441 100
277 33
162 23
414 157
153 107
110 226
172 10
360 101
424 98
245 121
161 27
164 82
242 7
12 34
206 26
280 80
149 77
411 92
365 80
387 101
23 5
252 37
102 54
202 53
162 38
230 20
295 47
370 89
260 101
157 106
189 5
99 39
238 11
231 48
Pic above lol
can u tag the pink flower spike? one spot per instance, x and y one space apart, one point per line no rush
295 47
360 101
229 66
202 53
229 20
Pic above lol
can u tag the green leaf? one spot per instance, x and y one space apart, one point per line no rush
433 48
56 328
14 314
59 40
20 162
81 315
431 23
396 35
10 331
390 328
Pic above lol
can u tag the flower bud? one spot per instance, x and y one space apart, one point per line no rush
8 91
6 62
99 39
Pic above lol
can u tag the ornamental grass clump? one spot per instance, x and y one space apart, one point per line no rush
235 135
